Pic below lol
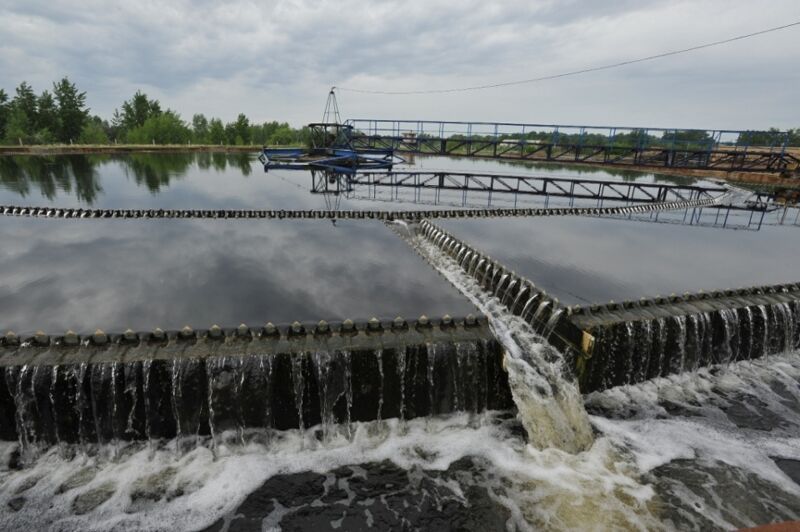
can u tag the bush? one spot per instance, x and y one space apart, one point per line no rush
92 133
166 128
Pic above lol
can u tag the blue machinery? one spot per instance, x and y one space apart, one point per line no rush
330 149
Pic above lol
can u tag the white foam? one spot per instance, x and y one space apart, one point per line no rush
700 430
542 487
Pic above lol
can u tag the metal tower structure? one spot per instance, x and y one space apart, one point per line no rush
331 114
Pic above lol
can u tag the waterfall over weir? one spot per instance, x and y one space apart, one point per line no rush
221 387
634 349
633 341
541 382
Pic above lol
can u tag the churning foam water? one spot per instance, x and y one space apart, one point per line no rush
716 448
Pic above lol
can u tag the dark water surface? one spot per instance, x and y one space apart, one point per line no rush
86 274
217 181
115 274
593 260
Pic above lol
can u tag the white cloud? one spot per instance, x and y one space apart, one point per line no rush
276 60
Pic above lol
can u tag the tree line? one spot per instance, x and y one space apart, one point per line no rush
61 116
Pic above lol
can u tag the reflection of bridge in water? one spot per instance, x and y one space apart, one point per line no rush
726 150
475 190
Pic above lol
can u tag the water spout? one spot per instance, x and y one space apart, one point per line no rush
509 290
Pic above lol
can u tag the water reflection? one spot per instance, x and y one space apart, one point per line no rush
593 260
48 176
621 174
80 176
94 179
168 273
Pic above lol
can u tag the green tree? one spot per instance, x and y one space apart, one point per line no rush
5 110
230 133
94 132
72 111
771 137
794 137
242 128
25 101
46 124
257 135
164 128
18 127
283 135
200 129
135 112
216 131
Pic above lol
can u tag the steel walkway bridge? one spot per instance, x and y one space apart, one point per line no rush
725 150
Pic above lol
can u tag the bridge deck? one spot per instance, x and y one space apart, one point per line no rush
613 146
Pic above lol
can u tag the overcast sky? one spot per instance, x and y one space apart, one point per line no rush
275 60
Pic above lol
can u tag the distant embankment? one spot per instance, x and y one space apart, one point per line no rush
66 149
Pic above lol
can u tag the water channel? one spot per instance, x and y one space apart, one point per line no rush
711 448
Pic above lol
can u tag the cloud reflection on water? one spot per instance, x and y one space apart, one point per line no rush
167 273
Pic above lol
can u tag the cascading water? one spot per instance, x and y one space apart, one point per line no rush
485 275
634 351
552 322
401 378
679 356
548 402
541 310
498 291
528 306
522 293
298 382
379 358
430 375
508 290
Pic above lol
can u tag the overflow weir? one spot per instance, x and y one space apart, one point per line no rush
632 341
104 388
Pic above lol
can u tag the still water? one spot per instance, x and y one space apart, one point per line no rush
593 260
717 448
141 274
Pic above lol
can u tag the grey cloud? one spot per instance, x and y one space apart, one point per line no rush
268 58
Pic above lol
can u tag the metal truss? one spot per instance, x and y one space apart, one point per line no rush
727 150
545 186
469 190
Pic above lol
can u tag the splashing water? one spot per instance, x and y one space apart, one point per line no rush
548 401
718 445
